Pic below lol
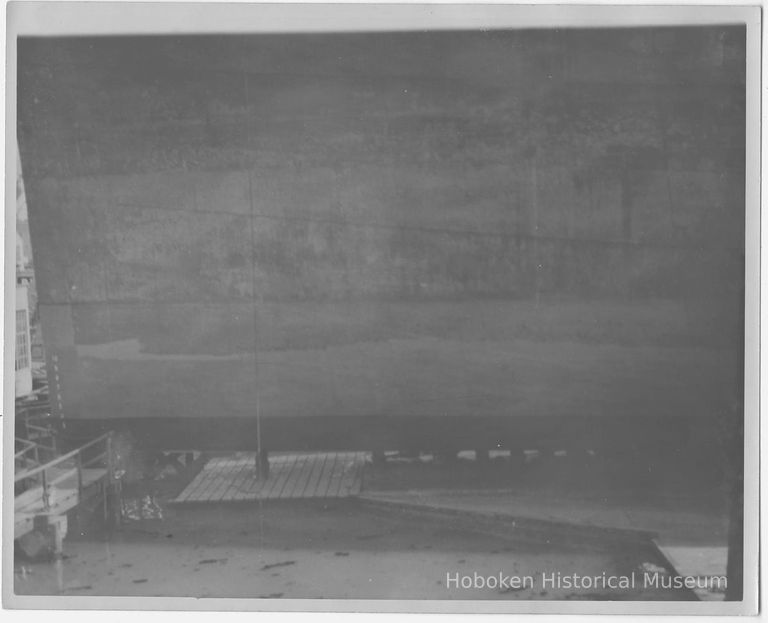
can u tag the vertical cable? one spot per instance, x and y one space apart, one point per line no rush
253 266
254 308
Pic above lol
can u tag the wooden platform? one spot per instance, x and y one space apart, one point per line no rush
63 495
45 493
317 475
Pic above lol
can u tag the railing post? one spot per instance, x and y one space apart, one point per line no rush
79 465
46 500
109 485
110 466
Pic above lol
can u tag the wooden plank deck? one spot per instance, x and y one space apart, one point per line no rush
291 476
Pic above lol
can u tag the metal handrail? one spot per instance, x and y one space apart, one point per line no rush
64 457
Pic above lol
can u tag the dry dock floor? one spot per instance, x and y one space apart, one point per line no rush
348 548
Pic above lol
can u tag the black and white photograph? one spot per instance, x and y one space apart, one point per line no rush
382 308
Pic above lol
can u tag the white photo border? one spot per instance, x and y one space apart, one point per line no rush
104 18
